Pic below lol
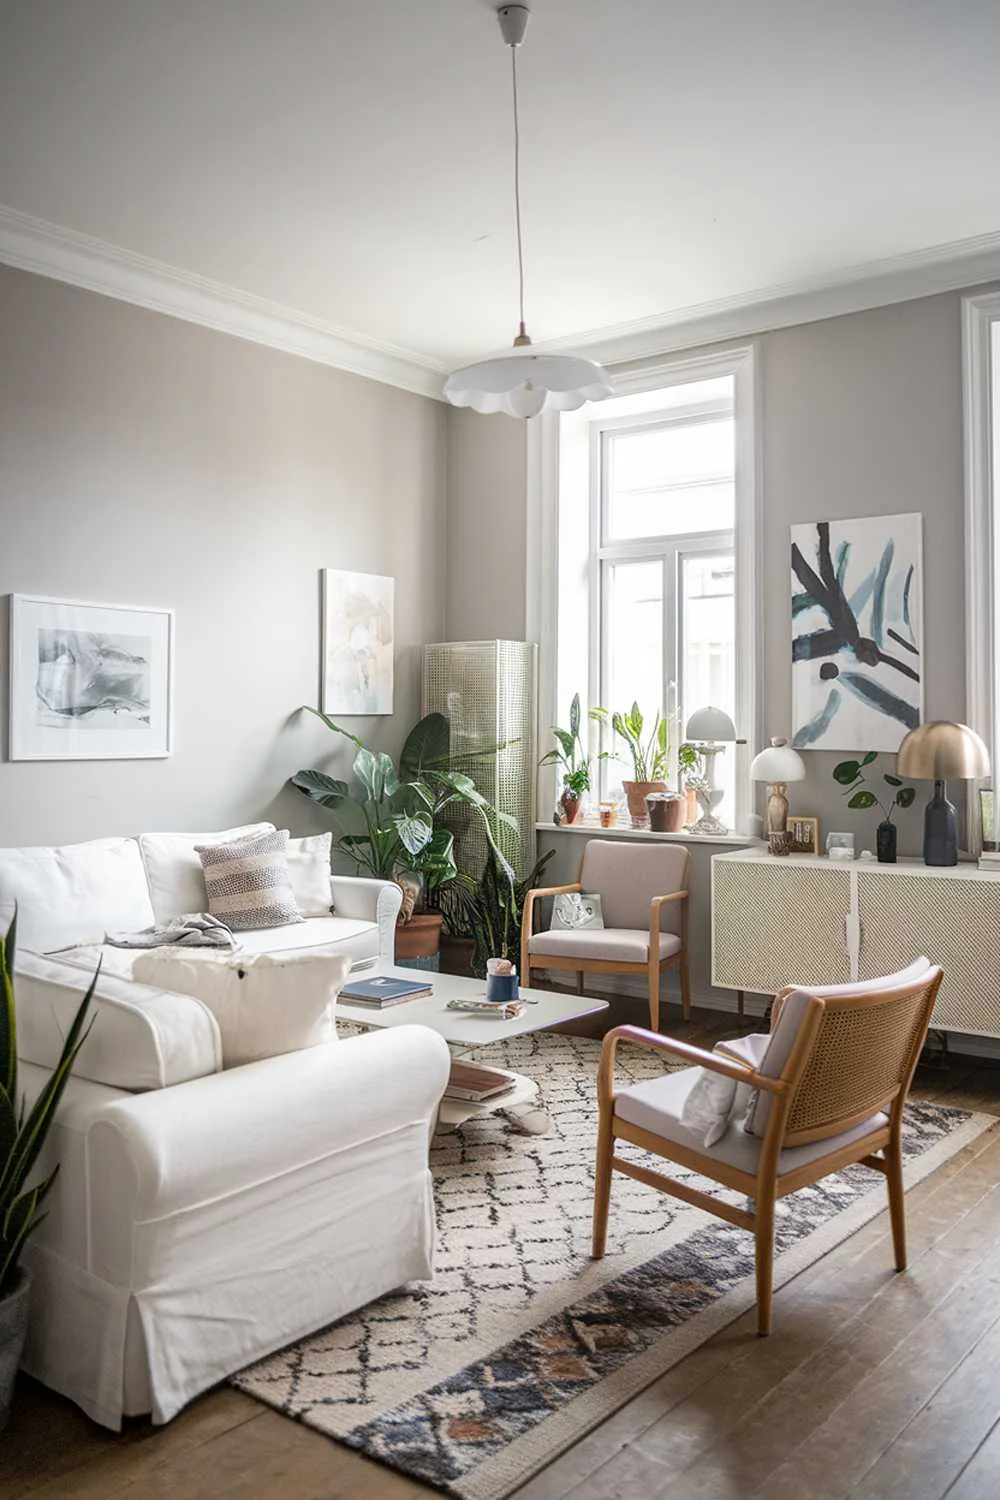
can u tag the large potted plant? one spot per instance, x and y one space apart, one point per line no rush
487 912
390 821
649 756
22 1135
568 754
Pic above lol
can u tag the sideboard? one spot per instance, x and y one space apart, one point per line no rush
804 919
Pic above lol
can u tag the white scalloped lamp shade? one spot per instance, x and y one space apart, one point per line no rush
777 764
523 385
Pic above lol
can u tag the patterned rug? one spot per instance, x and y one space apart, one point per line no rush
522 1343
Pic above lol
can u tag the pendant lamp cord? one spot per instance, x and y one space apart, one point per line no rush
517 189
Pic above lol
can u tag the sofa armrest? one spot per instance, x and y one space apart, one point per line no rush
369 901
214 1138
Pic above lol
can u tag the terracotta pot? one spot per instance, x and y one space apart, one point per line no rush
571 806
420 937
666 812
636 793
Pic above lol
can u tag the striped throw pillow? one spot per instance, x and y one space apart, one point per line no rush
247 881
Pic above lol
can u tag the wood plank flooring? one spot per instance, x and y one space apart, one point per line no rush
873 1386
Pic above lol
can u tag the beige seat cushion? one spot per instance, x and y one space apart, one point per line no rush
612 944
657 1104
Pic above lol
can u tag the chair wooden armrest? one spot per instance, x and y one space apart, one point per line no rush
696 1056
656 906
553 890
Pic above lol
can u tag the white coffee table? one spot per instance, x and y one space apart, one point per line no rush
467 1031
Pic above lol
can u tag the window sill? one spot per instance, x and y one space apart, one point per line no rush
623 831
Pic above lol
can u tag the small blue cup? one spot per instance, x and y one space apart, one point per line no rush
501 987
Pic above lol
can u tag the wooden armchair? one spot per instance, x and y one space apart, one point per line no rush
832 1079
644 898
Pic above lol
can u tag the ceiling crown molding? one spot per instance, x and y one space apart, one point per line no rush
33 244
880 283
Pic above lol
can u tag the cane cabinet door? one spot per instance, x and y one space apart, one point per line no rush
776 922
955 921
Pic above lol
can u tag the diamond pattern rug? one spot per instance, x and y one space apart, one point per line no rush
522 1343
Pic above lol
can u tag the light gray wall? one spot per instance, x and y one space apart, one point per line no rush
145 460
487 527
860 415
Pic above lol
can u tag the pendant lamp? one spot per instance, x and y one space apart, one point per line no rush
521 383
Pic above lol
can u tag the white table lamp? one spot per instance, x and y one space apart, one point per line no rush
777 765
710 729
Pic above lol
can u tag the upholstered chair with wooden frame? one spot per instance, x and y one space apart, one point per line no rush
644 901
831 1080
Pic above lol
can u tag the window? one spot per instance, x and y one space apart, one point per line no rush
653 559
981 359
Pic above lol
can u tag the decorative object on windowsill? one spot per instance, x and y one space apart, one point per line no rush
857 663
988 829
710 729
650 757
803 835
568 754
523 384
607 814
24 1136
850 775
840 846
777 765
690 772
935 752
666 811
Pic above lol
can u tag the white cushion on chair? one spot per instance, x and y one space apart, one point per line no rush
657 1106
628 945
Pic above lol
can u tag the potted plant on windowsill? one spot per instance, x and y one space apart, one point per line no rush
568 753
850 775
650 757
22 1135
390 821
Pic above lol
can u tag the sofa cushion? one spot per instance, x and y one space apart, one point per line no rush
141 1037
309 867
75 893
173 869
247 881
265 1003
357 938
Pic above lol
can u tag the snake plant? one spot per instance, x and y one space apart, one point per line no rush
23 1131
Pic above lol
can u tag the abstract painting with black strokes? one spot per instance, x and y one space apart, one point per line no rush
857 633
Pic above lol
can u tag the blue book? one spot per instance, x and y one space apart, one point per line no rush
384 990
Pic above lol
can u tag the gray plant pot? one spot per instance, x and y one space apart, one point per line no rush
13 1327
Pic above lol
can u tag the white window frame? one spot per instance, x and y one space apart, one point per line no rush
981 437
542 583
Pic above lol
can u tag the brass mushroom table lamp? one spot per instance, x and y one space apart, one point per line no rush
933 752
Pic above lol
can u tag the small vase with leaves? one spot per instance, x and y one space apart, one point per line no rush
575 765
850 775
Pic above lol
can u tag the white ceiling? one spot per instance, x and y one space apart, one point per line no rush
351 158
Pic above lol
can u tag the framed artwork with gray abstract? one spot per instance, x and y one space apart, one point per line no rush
89 681
857 633
357 642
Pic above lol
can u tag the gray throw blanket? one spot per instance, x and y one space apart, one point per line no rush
197 930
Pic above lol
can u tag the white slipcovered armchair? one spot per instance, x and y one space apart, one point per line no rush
644 901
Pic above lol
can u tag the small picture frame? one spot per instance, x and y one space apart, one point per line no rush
803 835
988 821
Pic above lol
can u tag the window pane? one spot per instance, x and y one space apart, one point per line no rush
671 481
634 672
708 645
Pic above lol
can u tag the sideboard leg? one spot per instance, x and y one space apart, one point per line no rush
739 1003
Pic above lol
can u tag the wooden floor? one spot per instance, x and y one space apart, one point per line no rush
873 1386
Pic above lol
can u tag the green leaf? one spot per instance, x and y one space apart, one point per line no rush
8 1013
375 774
846 772
331 725
566 741
415 831
427 748
863 800
905 797
326 790
437 860
574 716
892 780
867 759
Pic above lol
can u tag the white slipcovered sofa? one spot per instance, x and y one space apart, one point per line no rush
203 1218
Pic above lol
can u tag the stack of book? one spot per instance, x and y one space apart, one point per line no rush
473 1082
383 990
990 860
